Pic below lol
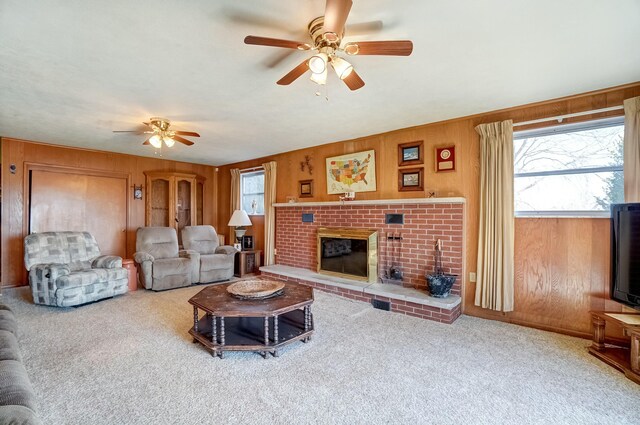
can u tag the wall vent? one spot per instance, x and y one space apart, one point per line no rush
381 305
394 219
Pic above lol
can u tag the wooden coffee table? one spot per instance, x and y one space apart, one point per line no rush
232 324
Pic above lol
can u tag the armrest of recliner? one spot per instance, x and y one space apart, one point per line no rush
43 281
226 249
140 257
52 270
106 262
194 256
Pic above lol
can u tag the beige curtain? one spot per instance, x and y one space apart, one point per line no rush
235 190
632 150
269 213
235 198
494 287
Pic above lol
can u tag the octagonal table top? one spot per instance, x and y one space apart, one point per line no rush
216 300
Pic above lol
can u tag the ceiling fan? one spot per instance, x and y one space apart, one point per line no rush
327 34
159 130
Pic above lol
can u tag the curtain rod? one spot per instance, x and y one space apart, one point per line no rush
559 118
244 170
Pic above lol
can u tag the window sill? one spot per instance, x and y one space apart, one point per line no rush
563 214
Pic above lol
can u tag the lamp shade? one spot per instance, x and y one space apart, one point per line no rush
156 141
318 63
169 141
342 67
239 218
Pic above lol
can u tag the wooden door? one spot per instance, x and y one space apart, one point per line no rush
60 200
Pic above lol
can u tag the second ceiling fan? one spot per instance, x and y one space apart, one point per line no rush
326 34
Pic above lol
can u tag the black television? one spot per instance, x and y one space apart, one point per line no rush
625 254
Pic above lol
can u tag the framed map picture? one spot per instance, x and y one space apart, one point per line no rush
354 172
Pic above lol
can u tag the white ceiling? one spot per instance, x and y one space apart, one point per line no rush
71 71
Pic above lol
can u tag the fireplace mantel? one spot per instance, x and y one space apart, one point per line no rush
457 200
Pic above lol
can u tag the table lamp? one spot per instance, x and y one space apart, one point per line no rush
239 220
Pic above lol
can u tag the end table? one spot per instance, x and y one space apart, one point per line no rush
247 262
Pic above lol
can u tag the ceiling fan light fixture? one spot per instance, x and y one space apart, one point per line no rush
320 78
155 141
168 141
341 66
318 63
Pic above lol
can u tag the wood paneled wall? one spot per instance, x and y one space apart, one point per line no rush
552 291
15 191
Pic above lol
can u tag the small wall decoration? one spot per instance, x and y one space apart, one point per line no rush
137 192
446 159
410 153
410 179
306 164
305 188
354 172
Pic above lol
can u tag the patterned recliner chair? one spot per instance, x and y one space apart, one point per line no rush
66 269
216 262
161 264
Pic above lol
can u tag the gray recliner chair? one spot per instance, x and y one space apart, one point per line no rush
67 269
161 264
216 262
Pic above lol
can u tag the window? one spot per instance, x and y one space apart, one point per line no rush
575 169
252 192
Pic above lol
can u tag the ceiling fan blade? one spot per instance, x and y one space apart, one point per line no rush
186 133
364 27
276 42
294 74
390 48
147 142
182 140
353 81
335 16
129 131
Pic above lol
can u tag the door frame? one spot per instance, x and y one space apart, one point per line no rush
34 166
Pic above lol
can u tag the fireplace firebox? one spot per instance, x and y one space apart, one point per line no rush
348 252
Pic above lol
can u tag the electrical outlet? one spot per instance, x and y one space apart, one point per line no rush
472 277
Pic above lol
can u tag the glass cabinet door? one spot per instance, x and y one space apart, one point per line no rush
185 189
159 203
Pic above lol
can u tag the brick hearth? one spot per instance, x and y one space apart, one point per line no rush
423 224
425 221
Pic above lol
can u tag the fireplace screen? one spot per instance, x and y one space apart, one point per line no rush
344 256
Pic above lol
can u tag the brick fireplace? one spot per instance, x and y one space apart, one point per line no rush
424 223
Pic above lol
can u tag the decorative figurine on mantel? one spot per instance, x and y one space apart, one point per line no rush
440 283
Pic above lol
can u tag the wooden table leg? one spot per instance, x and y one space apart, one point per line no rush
214 329
598 333
195 321
635 350
276 337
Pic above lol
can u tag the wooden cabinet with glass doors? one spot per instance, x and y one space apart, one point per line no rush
174 200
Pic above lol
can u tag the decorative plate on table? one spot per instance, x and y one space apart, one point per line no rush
255 289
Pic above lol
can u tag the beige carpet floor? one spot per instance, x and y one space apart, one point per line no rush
129 360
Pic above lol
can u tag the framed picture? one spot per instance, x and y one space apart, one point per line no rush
305 188
247 242
446 159
410 153
410 179
354 172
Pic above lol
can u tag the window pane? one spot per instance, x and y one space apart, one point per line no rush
598 147
573 192
252 192
247 201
